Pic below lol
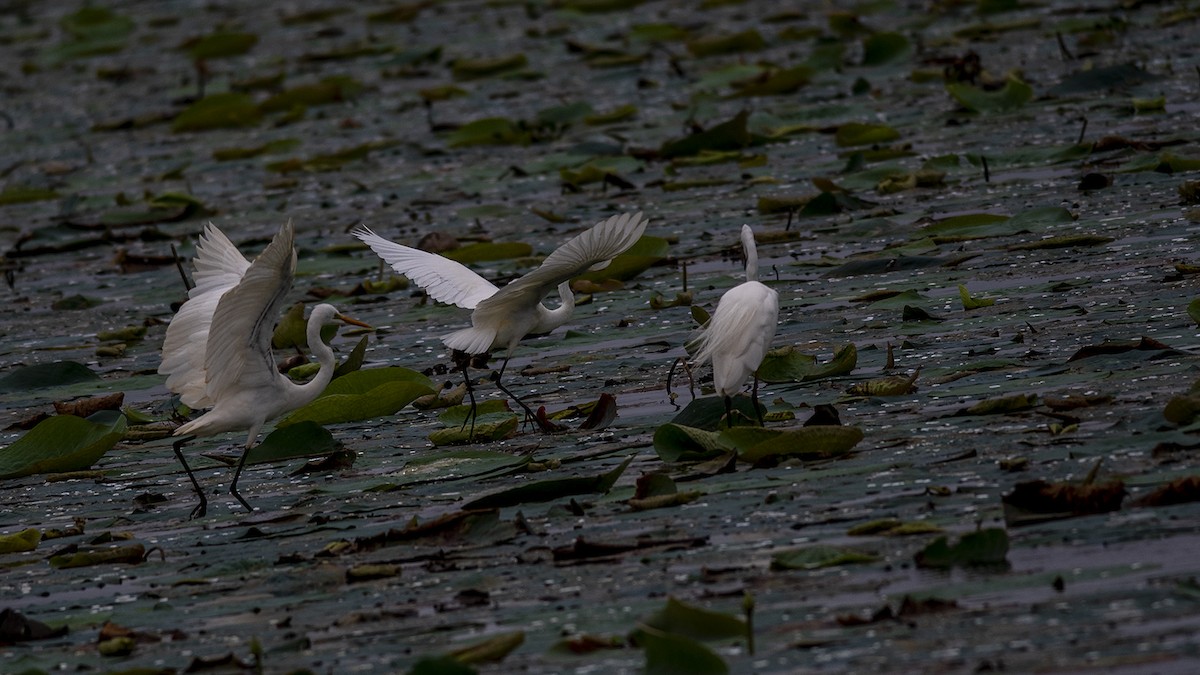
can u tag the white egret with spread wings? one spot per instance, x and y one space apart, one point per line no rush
217 352
500 317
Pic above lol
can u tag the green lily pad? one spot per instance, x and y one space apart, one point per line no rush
473 69
807 443
489 131
45 375
645 253
302 439
816 557
748 40
363 394
672 654
881 48
18 194
693 622
786 364
218 111
62 443
857 133
220 44
982 547
729 135
551 489
1015 94
334 89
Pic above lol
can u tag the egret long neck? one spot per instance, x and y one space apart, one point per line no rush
549 319
751 255
324 354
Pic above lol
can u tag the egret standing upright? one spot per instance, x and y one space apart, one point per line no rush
217 352
740 331
500 317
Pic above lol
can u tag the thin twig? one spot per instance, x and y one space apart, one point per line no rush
1082 132
987 175
187 285
1062 47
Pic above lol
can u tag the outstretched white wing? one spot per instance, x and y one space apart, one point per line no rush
219 266
591 249
442 278
238 355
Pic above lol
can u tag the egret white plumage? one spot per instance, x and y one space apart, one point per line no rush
217 352
500 317
740 331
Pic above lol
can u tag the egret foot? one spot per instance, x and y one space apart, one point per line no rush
202 508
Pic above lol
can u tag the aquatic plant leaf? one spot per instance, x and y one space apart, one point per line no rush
982 547
220 44
459 464
270 147
775 83
363 394
92 30
19 194
644 254
748 40
819 441
489 131
43 375
354 360
1002 405
473 69
20 542
492 423
333 89
881 48
693 622
485 251
708 413
858 133
218 111
679 443
1038 501
489 650
294 441
969 302
786 364
620 113
133 554
62 443
440 665
550 489
1015 94
816 557
673 654
729 135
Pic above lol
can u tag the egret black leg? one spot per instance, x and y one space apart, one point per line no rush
471 395
754 397
200 510
729 412
529 414
237 474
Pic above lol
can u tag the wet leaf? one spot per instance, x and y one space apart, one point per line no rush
490 650
15 627
969 302
1062 241
982 547
816 557
822 441
490 131
20 542
62 443
657 490
886 386
645 253
1015 94
18 194
44 375
86 407
441 665
786 364
354 360
1122 346
1002 405
488 251
693 622
458 464
730 135
673 654
604 412
619 114
294 441
549 490
473 69
92 30
1037 501
774 82
851 134
218 111
746 41
270 147
881 48
133 554
333 89
1179 491
220 44
362 394
680 443
74 303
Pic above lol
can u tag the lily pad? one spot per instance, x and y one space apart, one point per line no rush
43 375
363 394
62 443
218 111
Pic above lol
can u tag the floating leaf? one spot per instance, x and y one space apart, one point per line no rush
43 375
489 131
17 194
1014 95
816 557
1062 241
487 427
672 654
679 443
220 45
549 490
218 111
618 114
20 542
333 89
645 253
786 364
133 554
982 547
886 386
730 135
472 69
1038 501
488 251
363 394
62 443
294 441
969 302
708 413
748 40
881 48
819 441
92 30
857 133
775 82
693 622
270 147
490 650
1002 405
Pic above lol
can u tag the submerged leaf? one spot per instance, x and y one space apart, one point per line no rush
549 490
982 547
44 375
815 557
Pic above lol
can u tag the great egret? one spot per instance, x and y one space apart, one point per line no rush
217 352
740 331
502 316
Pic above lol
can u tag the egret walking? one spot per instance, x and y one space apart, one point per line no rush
217 352
500 317
740 331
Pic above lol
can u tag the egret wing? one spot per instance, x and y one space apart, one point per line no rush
592 248
442 278
219 266
739 333
239 340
